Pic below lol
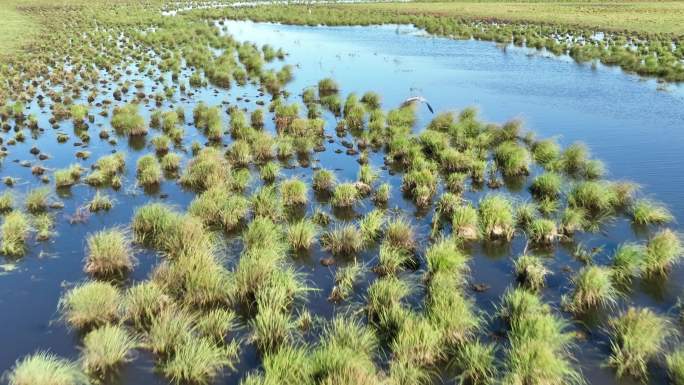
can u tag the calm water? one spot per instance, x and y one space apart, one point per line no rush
635 127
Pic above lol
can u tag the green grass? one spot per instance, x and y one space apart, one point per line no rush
219 207
628 262
400 233
15 231
345 279
17 28
663 250
371 226
105 348
199 361
6 202
391 259
675 366
143 302
149 172
294 192
456 317
216 324
89 304
45 368
345 195
100 202
343 240
496 217
646 212
169 331
637 337
476 363
593 288
301 234
37 199
43 224
465 222
109 253
531 271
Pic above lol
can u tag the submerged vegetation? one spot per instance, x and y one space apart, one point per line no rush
244 229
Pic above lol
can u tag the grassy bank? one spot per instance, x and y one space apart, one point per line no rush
634 16
16 28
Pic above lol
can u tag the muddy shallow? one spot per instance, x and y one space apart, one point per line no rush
633 125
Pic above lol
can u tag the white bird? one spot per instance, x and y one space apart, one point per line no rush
418 99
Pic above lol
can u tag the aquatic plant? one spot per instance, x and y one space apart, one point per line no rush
371 225
100 202
391 259
36 200
343 240
301 234
546 186
531 271
15 231
294 192
465 222
675 366
646 212
476 363
206 169
383 193
151 222
43 224
168 331
496 217
444 256
109 253
267 203
323 180
170 162
68 176
199 361
345 279
105 348
628 262
217 206
91 303
400 233
327 86
345 195
216 324
543 231
638 336
512 159
143 302
593 287
127 120
149 171
663 250
44 368
6 202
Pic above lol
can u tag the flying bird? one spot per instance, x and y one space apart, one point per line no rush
418 99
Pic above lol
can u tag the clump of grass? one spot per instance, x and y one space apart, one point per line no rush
151 222
383 193
169 330
89 304
105 348
45 368
270 171
109 253
476 363
444 256
345 279
69 176
345 195
496 217
6 202
663 250
545 151
512 159
294 192
266 203
371 225
638 336
43 224
646 212
217 324
593 288
127 120
272 327
418 342
543 231
367 174
400 234
454 315
327 86
170 162
572 220
37 200
465 222
324 180
219 207
384 302
344 240
628 262
531 271
143 302
15 231
594 197
301 234
206 169
199 360
100 202
546 186
391 259
675 366
149 171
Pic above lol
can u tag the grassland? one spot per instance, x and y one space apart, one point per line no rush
16 28
634 16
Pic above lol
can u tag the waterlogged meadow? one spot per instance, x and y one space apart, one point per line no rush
194 200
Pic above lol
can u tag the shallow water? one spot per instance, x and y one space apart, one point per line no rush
627 122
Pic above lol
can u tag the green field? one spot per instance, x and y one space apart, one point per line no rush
636 16
16 28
